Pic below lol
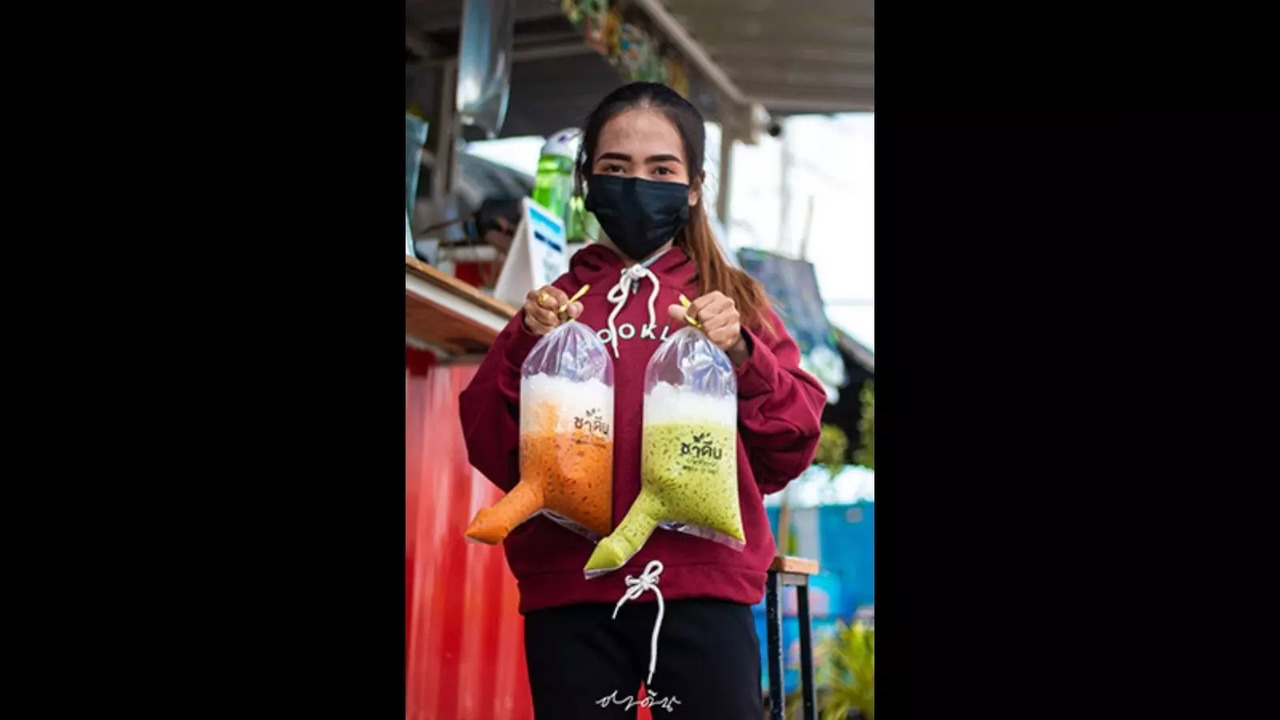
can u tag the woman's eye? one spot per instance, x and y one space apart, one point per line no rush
612 168
663 171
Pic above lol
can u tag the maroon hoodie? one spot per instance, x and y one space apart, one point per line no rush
779 410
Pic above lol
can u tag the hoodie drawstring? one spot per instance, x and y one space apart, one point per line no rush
648 580
618 296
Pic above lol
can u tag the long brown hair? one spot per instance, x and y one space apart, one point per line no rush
696 239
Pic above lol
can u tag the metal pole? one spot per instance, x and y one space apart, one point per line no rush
807 689
773 618
784 197
726 175
445 131
808 224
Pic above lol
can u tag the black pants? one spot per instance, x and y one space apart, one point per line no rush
584 664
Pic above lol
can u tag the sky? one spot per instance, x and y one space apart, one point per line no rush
832 168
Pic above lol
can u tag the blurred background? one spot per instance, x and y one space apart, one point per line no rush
495 91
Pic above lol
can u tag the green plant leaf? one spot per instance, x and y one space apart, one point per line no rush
833 446
845 677
866 454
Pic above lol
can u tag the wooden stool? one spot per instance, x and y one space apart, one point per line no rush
795 572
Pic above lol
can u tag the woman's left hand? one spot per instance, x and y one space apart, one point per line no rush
719 319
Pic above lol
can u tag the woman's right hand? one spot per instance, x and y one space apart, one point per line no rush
541 308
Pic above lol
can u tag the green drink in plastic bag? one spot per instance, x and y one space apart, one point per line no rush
689 458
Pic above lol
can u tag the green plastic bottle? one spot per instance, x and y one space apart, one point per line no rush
553 183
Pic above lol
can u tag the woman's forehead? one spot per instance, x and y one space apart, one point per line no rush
640 132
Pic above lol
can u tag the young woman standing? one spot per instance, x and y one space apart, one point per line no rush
641 163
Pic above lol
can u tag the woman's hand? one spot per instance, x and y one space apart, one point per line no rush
541 309
719 319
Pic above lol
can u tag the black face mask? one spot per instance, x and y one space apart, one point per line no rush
638 215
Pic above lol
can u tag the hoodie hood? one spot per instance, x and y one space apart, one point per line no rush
595 262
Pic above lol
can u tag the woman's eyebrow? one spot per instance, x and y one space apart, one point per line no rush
614 156
662 158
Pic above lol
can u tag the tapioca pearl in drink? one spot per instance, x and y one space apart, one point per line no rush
692 467
566 458
578 477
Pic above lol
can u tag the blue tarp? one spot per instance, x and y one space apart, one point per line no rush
847 537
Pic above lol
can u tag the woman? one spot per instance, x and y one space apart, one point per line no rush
641 163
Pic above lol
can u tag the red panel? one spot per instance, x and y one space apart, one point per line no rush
463 634
478 274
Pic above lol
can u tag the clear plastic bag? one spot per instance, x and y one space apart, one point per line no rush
566 440
689 458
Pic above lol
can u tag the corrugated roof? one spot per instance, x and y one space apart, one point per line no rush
818 56
787 60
